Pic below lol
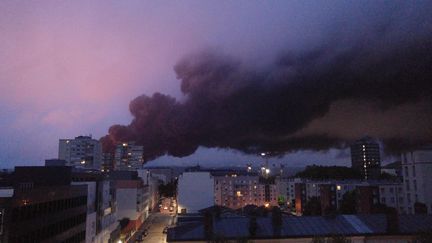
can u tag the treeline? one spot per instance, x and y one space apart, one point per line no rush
318 172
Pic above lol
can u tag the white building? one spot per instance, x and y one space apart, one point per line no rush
132 202
101 216
128 156
417 178
195 192
153 186
82 151
236 191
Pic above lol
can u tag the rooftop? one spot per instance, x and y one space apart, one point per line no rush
301 227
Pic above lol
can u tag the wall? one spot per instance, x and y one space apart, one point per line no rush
195 191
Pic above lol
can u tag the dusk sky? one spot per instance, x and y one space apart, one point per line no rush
70 68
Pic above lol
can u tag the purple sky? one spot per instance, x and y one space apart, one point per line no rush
70 68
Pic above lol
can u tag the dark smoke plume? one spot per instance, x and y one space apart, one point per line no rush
315 100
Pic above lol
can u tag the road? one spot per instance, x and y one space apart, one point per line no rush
155 232
155 226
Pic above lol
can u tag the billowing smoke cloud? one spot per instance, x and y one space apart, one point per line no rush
378 84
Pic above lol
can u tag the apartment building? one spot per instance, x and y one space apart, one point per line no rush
417 180
82 151
236 191
128 156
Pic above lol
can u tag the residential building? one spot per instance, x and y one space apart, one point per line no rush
82 152
417 179
42 206
132 200
236 190
365 157
153 187
102 224
128 156
331 192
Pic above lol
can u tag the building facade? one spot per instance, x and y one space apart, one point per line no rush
236 191
128 156
43 207
331 192
417 179
195 191
365 157
82 151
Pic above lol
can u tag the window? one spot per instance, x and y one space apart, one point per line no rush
415 185
407 185
413 171
406 170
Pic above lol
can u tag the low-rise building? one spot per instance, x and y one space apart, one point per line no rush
42 206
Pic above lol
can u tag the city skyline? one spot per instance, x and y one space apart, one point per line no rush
71 69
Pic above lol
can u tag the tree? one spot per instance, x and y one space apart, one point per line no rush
348 203
329 172
168 190
312 207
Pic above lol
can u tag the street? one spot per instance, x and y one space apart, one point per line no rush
155 232
155 225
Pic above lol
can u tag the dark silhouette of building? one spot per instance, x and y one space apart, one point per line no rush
328 198
365 157
44 207
300 197
367 199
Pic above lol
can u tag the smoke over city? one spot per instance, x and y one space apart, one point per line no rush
376 83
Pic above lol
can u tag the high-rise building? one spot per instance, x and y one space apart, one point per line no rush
365 157
83 151
128 156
